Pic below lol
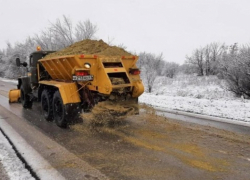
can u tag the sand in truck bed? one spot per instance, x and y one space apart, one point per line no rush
91 47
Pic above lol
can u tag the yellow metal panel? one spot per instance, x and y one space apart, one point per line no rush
120 86
68 90
14 95
63 67
111 59
114 70
138 89
129 62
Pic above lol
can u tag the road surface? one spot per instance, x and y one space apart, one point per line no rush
144 147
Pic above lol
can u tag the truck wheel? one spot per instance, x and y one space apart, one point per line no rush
25 99
46 102
59 110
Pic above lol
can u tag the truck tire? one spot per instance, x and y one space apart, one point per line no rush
25 99
59 110
46 103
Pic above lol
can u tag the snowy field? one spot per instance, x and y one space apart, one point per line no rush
200 95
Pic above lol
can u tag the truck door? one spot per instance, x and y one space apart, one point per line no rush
34 57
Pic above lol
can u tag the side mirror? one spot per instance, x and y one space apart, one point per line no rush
24 64
18 63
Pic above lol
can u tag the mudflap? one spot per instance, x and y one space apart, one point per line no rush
73 113
14 95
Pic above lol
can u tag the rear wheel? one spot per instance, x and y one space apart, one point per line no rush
46 102
59 110
25 99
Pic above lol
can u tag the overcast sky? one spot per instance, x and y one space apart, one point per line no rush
173 27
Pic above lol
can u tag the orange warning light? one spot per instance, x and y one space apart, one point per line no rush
38 48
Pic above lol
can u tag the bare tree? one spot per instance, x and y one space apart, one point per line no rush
206 59
197 59
46 40
142 60
235 66
187 68
207 52
85 30
151 67
57 36
63 31
170 69
216 52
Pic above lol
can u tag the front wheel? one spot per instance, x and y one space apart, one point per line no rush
59 110
25 99
46 102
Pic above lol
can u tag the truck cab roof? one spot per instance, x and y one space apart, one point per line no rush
42 52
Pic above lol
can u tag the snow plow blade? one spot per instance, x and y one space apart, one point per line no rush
14 95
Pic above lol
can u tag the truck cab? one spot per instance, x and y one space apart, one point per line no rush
34 65
28 84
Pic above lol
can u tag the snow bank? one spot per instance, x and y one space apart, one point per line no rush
202 95
231 109
207 87
14 81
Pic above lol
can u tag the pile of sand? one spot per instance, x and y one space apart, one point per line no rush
91 47
109 114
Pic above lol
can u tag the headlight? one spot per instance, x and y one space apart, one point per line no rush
87 65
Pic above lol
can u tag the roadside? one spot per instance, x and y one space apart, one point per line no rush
45 157
14 168
3 174
206 95
232 109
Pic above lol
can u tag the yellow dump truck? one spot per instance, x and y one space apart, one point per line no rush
66 85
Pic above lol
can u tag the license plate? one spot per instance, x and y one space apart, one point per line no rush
83 78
